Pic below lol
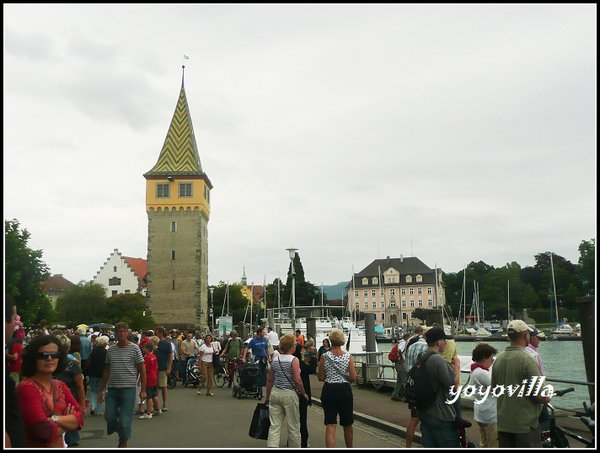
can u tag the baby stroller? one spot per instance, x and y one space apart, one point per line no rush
247 379
192 372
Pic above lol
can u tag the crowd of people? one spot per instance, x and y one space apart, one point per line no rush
52 376
510 421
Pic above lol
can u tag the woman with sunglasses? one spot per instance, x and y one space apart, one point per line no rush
49 409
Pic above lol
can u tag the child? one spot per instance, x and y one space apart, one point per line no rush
151 380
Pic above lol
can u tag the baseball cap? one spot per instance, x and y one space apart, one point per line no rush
516 325
436 333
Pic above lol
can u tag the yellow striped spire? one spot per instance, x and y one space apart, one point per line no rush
179 154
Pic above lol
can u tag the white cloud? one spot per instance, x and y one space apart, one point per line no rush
343 130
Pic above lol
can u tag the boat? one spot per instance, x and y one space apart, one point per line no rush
281 321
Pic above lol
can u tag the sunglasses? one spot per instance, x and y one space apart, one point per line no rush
47 355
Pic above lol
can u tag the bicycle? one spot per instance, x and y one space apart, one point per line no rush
220 373
555 436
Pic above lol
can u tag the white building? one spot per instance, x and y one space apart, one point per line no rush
122 274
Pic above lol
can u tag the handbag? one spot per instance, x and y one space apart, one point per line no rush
259 427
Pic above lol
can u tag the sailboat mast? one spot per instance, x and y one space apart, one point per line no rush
554 288
508 301
465 297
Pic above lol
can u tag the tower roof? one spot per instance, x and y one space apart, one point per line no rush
179 154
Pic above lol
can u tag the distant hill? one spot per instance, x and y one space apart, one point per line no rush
334 291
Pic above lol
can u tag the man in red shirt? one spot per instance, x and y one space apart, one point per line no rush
15 353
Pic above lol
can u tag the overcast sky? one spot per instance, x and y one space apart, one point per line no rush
451 133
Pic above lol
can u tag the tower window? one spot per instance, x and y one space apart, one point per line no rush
185 189
173 227
172 254
173 284
162 190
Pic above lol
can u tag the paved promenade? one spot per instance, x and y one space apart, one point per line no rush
223 421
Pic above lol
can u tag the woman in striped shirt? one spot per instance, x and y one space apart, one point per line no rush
284 386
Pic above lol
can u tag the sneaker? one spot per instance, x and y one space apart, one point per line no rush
165 409
145 417
210 394
158 412
199 392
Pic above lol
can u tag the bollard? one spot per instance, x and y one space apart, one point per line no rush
586 307
371 344
311 329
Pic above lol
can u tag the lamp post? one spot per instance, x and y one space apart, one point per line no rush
212 316
292 253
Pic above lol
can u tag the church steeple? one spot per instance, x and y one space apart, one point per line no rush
244 279
179 154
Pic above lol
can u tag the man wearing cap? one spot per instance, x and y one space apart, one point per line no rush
532 348
518 424
437 421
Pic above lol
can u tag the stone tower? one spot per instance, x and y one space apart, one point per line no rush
178 208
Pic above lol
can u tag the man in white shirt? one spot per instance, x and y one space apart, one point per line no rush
272 337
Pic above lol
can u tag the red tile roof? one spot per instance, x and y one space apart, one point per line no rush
139 266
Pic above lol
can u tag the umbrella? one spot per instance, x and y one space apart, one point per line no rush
102 326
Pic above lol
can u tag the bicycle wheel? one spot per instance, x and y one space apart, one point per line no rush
220 379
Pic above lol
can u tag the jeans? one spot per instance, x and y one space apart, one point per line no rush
400 375
95 383
438 433
120 404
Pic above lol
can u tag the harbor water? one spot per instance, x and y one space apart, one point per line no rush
562 360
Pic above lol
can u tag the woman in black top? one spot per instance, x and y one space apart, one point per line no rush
305 370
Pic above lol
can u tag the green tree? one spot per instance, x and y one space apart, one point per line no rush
586 268
306 292
83 303
130 308
23 272
237 302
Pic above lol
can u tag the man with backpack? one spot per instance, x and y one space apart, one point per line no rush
396 356
428 383
414 347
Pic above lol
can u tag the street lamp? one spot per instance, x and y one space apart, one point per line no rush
212 319
292 253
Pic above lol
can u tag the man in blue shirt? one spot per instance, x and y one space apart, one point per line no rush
164 355
259 346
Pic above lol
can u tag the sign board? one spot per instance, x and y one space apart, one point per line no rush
225 325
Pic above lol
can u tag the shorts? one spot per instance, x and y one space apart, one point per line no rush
162 379
151 392
337 399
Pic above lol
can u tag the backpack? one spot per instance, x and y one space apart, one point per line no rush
418 388
393 355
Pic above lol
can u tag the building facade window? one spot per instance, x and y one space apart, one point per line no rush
419 278
408 279
365 281
173 255
412 303
373 292
173 284
127 291
115 281
366 304
375 281
429 290
162 190
357 305
382 304
185 189
114 268
173 227
356 293
366 293
411 291
374 304
419 290
403 291
430 303
114 292
404 304
392 292
392 303
420 303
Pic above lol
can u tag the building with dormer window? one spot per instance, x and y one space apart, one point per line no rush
392 288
